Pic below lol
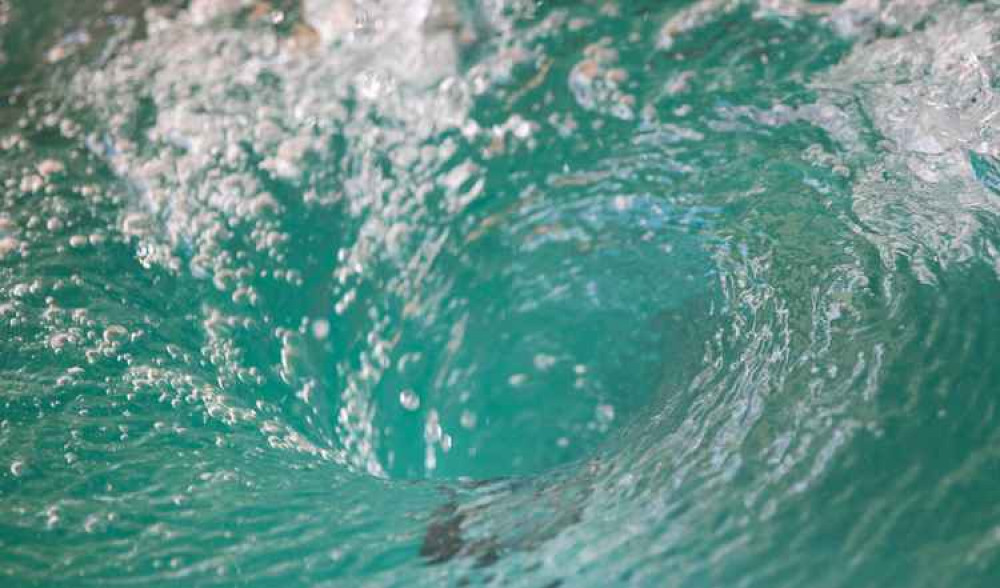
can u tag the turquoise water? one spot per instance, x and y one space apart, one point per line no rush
499 293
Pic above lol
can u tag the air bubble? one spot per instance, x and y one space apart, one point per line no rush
8 245
409 400
321 329
605 413
544 361
50 167
115 334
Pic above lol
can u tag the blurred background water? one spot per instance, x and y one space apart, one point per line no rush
499 292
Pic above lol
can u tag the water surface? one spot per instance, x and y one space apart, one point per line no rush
499 293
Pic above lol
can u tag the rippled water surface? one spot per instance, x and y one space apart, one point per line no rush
500 293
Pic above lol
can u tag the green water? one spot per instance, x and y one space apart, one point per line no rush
499 293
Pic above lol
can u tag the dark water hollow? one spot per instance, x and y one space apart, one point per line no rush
532 339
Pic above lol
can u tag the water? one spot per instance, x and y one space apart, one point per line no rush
499 293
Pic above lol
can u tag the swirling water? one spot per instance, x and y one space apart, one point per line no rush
499 292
